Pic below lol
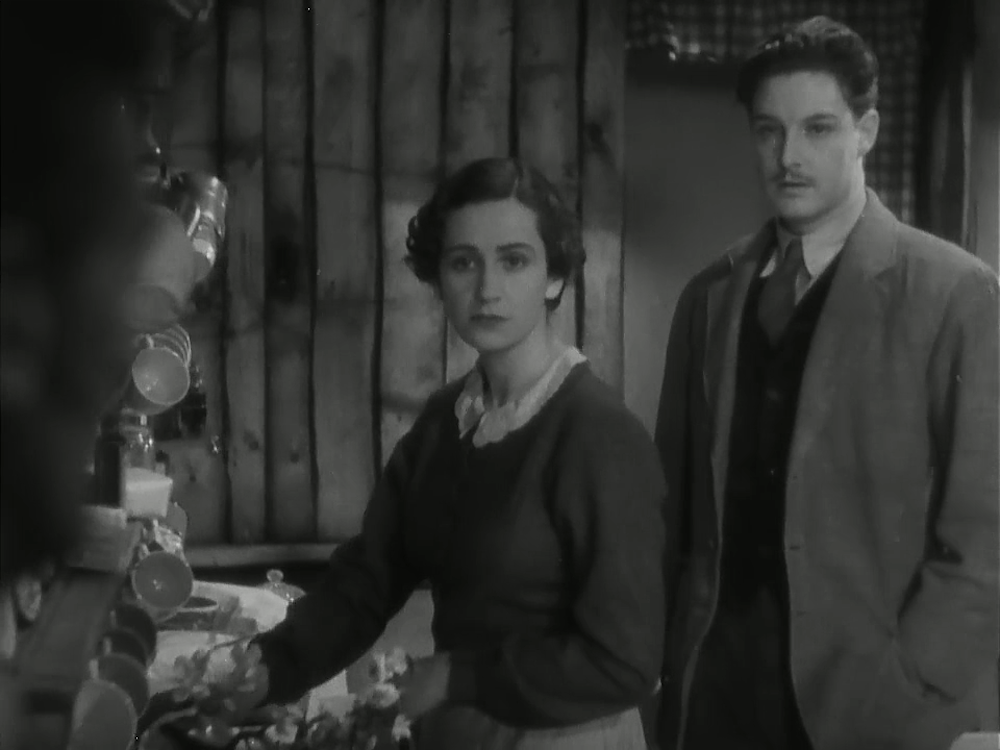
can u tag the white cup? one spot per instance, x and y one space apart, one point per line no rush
162 582
160 376
103 717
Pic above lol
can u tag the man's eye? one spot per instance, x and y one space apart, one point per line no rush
819 129
513 262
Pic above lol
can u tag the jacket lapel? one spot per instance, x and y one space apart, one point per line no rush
851 312
725 312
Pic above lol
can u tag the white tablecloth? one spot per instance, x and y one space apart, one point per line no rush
267 608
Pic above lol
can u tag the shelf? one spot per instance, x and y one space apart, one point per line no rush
52 655
241 556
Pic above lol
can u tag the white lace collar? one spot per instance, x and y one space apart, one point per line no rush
493 424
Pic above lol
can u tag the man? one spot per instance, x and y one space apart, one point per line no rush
829 426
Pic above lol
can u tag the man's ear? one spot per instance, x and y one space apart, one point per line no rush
868 125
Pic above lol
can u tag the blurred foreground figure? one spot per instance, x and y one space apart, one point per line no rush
70 210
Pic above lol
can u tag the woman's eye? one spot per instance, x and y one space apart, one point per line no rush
459 263
514 262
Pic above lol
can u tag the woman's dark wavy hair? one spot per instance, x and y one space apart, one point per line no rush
817 44
489 180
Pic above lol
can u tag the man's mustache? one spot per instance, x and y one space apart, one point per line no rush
793 178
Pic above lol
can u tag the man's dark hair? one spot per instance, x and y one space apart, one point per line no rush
818 44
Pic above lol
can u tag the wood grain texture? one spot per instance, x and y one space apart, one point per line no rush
346 306
53 654
477 123
198 468
289 256
545 53
255 555
243 161
412 342
602 187
985 138
315 365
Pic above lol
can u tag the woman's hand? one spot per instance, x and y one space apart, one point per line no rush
244 682
425 686
228 681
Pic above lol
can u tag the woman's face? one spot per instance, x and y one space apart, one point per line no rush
494 275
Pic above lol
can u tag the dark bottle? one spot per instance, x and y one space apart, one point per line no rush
108 469
192 412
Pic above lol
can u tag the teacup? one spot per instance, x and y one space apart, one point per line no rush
174 338
137 621
160 376
103 717
166 273
126 673
162 583
127 643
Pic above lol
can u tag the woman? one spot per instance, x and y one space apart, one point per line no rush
526 494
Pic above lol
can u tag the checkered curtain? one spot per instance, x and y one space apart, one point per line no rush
725 31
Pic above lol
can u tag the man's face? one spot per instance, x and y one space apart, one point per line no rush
809 145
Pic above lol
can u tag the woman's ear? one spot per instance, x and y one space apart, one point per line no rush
554 291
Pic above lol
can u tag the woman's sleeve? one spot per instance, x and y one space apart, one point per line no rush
607 507
367 582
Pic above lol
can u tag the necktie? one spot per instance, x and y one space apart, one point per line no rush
778 297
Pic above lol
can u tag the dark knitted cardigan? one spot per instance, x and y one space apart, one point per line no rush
544 551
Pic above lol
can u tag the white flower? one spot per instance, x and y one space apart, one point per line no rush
386 666
281 732
397 662
401 728
383 695
379 668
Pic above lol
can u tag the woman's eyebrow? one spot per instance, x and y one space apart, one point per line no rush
464 247
516 246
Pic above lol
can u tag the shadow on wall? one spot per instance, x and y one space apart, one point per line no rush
691 190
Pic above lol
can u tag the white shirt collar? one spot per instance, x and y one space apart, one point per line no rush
821 246
492 424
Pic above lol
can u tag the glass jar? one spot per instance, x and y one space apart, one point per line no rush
275 584
139 448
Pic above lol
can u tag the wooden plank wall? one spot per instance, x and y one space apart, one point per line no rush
331 122
192 140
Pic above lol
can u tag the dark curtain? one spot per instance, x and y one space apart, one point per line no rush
945 108
723 32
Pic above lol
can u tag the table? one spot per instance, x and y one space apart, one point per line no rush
266 608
